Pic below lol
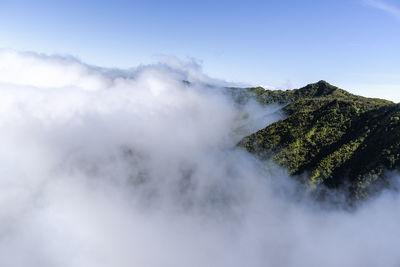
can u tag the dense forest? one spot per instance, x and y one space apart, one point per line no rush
337 139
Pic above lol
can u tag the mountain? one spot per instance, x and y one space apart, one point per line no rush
337 139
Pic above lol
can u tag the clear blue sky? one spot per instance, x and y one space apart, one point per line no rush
354 44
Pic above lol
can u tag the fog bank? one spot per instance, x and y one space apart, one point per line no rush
113 168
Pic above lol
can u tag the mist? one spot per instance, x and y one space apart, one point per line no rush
113 168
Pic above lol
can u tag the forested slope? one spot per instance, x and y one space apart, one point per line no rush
339 139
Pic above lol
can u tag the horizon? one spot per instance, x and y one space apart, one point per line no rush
285 45
173 61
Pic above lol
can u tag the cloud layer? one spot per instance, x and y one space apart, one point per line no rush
107 168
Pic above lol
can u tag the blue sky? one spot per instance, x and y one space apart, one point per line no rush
354 44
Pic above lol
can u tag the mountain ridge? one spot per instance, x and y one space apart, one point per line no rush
339 139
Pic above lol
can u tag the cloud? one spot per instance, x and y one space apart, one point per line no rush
104 167
384 6
48 72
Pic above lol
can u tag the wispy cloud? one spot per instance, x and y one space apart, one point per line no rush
385 6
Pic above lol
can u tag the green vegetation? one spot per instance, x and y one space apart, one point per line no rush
339 139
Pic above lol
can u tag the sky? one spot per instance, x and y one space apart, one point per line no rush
353 44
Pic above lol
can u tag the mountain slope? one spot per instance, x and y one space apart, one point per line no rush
339 139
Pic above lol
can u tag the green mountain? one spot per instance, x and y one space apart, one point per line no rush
337 139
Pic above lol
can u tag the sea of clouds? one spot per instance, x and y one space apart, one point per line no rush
116 168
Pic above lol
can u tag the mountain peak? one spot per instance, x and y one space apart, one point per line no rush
318 89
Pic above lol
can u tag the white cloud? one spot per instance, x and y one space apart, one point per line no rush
385 6
48 72
142 170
